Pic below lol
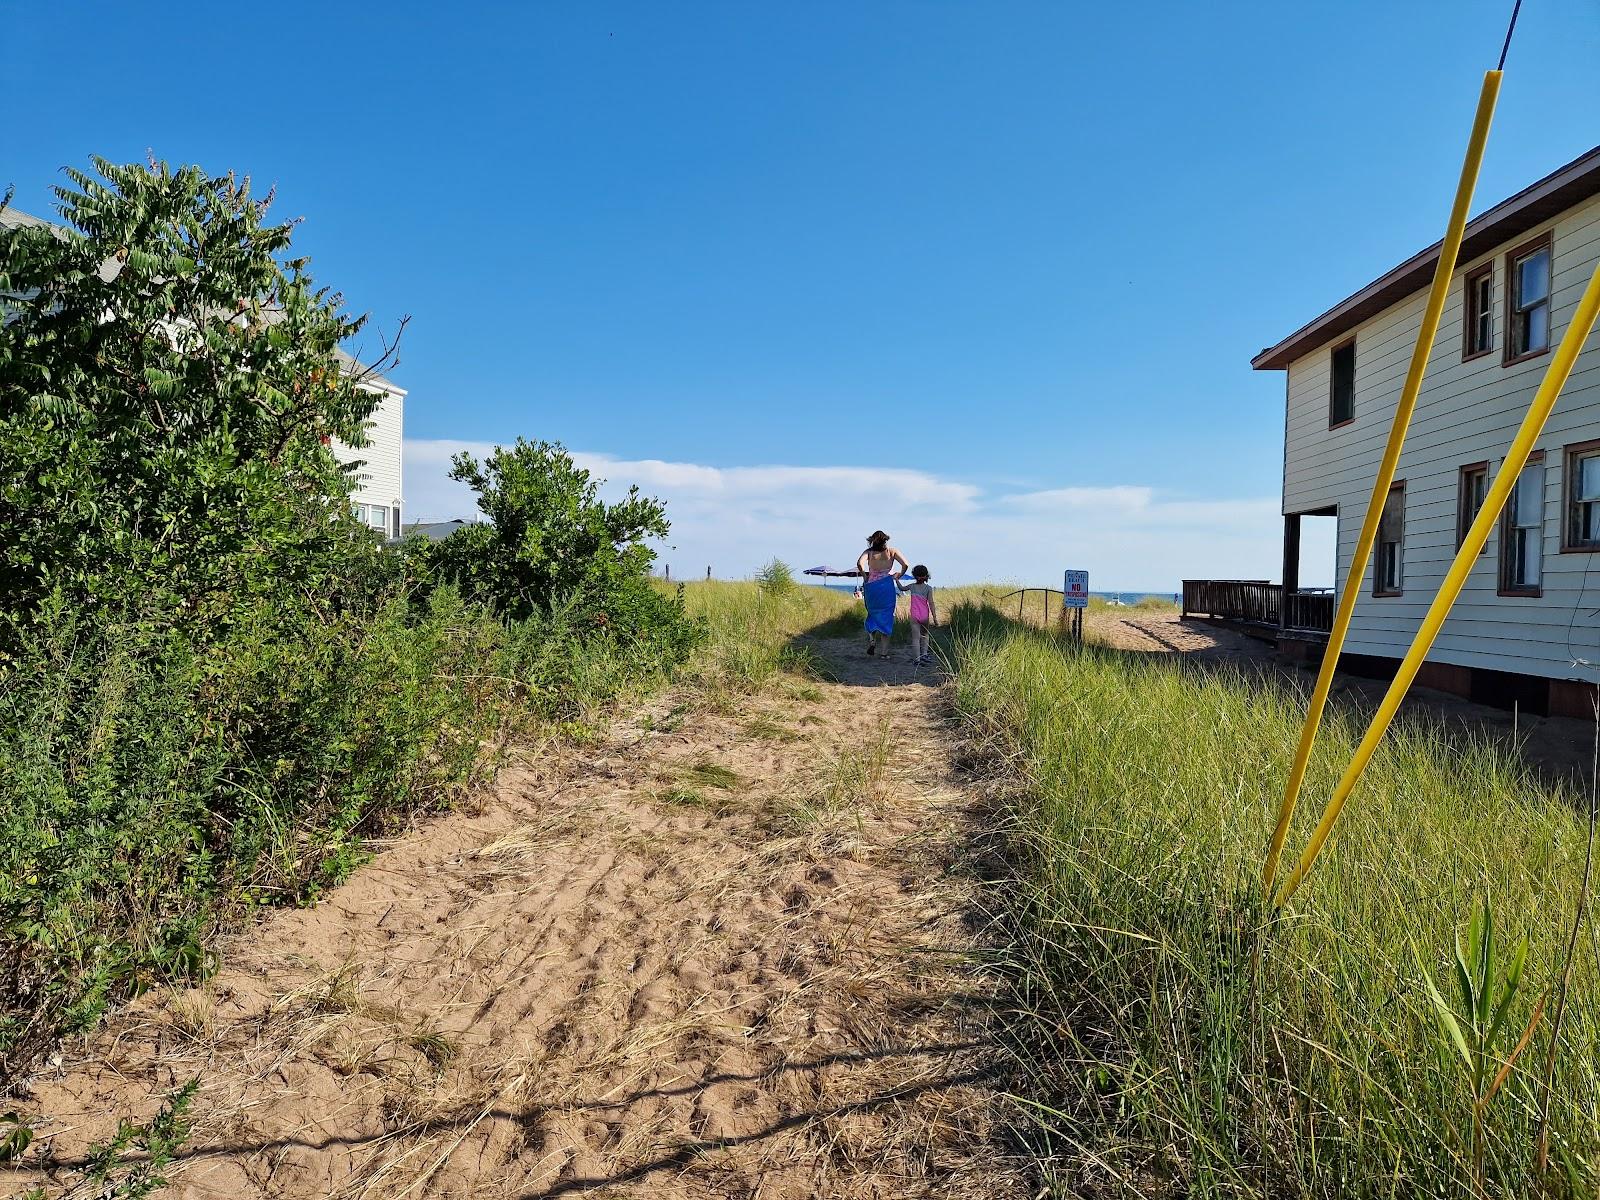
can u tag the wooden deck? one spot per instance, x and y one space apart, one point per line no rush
1260 605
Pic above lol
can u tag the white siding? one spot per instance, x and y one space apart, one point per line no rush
378 480
1467 412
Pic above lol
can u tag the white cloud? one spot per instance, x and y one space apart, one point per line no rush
1083 499
1130 537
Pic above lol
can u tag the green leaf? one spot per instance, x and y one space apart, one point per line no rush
16 1135
1464 974
1446 1019
1509 989
1485 965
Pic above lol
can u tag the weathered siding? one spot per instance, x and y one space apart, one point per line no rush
1468 412
378 480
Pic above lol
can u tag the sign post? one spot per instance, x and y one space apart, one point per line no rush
1074 599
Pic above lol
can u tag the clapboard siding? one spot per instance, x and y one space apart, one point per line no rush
1467 412
378 480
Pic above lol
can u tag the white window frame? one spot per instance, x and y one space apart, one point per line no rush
1517 312
1389 569
1521 537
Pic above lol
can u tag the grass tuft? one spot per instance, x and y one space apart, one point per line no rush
439 1050
768 728
714 775
682 796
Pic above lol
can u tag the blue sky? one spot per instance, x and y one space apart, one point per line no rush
986 275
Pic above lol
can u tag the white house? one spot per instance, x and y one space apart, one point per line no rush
1527 627
379 496
379 491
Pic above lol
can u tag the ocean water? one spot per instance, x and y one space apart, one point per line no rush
1135 597
1128 598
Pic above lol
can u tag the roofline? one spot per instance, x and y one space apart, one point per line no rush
365 375
1558 191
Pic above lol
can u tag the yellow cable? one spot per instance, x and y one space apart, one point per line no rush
1555 378
1442 272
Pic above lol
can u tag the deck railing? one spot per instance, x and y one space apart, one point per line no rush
1308 610
1252 600
1257 602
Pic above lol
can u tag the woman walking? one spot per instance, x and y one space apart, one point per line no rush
878 563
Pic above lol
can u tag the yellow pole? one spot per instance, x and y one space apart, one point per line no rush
1555 378
1448 249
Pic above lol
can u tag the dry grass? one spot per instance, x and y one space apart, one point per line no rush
828 806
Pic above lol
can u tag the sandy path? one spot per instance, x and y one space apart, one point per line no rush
629 973
1168 633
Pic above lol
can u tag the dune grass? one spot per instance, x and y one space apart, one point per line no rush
751 631
1176 1041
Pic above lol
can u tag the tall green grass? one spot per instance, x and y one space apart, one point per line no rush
752 629
1180 1044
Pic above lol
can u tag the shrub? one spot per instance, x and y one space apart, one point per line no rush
168 377
776 580
215 686
550 545
149 790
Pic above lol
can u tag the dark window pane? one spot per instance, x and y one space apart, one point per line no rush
1391 536
1474 488
1480 313
1342 397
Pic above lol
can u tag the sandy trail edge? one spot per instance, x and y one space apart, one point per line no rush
626 974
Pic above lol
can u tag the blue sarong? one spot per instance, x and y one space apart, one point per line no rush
880 596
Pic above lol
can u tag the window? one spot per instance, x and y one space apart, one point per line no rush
1389 577
394 522
1528 300
1470 491
1582 530
1342 387
373 516
1478 307
1522 533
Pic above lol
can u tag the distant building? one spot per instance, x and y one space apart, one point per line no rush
379 486
379 493
1527 627
434 531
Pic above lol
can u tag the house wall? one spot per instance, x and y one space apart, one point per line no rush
378 480
1467 412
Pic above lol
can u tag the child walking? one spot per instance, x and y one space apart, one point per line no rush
924 613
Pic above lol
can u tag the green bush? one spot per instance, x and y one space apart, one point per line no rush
549 544
215 685
149 789
168 378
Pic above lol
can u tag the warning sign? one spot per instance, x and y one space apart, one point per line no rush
1075 591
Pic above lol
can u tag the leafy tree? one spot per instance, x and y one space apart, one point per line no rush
214 682
168 379
550 543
